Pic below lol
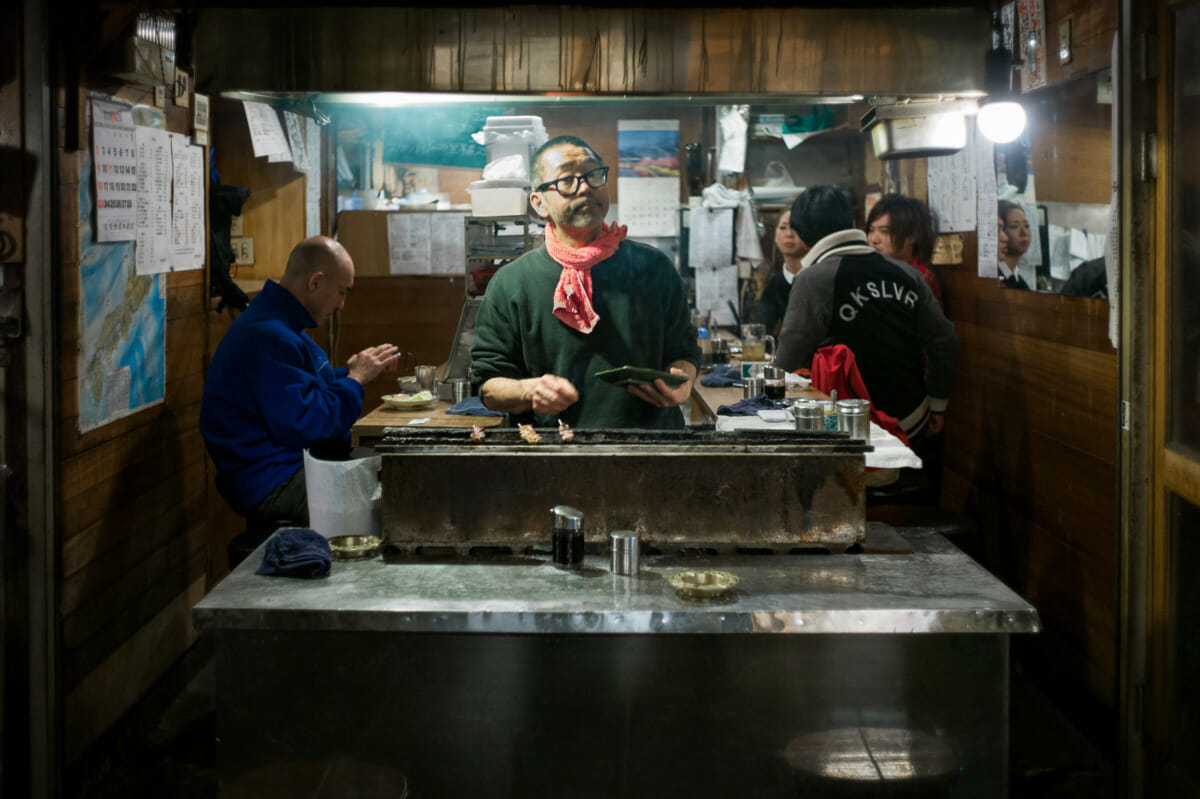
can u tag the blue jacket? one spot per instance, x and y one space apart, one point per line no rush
270 393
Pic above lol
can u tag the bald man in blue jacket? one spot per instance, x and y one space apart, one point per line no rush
271 392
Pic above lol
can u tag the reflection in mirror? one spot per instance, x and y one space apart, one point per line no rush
1056 186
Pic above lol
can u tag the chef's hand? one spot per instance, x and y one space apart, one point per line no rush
662 395
936 423
549 394
373 361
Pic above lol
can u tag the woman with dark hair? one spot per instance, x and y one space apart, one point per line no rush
1014 243
773 303
902 228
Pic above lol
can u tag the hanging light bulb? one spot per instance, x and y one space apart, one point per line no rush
1001 120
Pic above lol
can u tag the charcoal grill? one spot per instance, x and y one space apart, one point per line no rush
679 490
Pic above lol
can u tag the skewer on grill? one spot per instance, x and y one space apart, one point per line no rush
476 433
565 432
528 434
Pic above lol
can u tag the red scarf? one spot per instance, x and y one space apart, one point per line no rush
573 294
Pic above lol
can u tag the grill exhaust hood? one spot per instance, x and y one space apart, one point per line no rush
918 130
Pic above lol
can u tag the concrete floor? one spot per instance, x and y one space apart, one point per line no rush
175 755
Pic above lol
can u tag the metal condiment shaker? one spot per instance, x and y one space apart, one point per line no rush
626 555
568 537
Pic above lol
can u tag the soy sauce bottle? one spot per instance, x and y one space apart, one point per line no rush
568 537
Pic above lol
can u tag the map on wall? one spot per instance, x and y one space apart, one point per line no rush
122 325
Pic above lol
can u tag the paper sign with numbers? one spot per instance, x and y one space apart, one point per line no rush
114 152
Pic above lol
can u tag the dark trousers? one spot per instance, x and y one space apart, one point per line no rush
287 502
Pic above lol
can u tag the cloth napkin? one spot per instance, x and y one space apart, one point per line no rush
472 406
296 552
748 407
722 375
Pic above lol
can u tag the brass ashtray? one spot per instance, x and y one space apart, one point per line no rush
706 584
354 547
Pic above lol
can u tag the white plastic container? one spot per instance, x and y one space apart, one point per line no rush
513 135
494 198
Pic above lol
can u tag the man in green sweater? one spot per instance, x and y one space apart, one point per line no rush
586 302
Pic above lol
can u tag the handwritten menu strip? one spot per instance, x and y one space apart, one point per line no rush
312 171
154 252
951 183
988 222
114 150
188 203
266 134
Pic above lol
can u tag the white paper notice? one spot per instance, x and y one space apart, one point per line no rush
988 222
952 188
295 134
114 146
710 237
266 134
716 288
154 251
448 243
312 179
408 244
188 205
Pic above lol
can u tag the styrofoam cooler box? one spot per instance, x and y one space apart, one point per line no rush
490 198
513 135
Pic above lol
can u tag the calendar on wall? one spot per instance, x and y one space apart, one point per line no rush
648 178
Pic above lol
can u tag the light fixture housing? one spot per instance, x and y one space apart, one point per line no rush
1001 117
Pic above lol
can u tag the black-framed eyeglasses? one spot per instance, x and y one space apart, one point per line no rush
569 185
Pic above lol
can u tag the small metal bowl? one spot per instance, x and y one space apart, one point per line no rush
354 547
706 584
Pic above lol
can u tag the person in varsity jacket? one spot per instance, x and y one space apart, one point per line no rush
881 308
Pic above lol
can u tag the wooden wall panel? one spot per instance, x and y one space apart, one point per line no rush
274 212
1031 456
132 496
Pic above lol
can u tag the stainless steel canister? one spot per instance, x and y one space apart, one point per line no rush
854 416
752 386
626 558
809 415
460 389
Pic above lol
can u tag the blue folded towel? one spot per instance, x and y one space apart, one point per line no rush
472 406
749 407
296 552
722 375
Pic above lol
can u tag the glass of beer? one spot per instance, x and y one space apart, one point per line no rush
756 344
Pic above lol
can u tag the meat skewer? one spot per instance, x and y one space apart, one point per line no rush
476 433
528 434
565 432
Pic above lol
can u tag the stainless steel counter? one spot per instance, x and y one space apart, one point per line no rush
935 589
509 678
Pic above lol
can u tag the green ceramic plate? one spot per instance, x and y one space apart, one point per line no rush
624 375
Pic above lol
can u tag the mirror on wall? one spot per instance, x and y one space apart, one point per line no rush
1056 178
1055 185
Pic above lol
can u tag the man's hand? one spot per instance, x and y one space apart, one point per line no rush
373 361
549 394
936 422
660 395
